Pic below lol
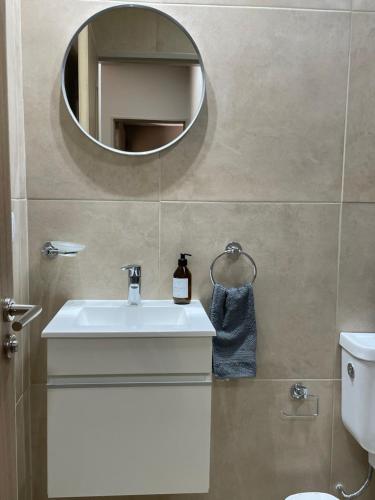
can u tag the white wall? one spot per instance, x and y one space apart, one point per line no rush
147 91
87 80
124 31
196 82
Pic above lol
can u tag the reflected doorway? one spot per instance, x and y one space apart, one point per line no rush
144 135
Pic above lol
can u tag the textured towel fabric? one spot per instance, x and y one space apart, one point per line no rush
234 347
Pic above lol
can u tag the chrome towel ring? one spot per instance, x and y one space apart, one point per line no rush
234 249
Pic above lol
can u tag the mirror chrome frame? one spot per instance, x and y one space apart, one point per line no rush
109 148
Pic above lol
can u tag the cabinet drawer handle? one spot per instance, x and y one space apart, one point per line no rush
126 381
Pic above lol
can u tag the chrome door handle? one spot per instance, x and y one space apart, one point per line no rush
11 310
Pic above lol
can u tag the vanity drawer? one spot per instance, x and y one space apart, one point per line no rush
127 440
129 356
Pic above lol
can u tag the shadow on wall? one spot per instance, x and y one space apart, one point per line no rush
52 294
194 147
98 165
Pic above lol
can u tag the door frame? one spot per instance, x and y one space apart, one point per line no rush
8 462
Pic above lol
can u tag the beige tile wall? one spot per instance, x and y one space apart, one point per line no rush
359 174
365 5
263 165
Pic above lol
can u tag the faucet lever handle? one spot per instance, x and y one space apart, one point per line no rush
133 269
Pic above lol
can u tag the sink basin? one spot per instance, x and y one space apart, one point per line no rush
115 318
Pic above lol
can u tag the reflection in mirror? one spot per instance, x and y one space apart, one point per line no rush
133 79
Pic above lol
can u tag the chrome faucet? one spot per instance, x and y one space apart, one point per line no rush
134 283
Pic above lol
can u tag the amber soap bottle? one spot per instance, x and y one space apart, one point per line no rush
182 281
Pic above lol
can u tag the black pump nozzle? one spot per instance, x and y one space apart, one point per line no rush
182 261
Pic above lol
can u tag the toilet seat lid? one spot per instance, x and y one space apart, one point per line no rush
311 496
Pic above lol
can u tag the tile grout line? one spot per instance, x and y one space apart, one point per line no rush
192 202
361 11
159 228
240 6
340 240
255 380
347 10
159 251
253 202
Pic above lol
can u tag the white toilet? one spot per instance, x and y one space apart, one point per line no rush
358 388
358 396
311 496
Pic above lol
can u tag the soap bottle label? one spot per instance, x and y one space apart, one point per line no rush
180 288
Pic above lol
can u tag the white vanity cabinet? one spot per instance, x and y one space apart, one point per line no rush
128 413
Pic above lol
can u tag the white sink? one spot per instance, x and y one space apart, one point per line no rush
131 387
115 318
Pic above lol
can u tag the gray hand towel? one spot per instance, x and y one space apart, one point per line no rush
234 347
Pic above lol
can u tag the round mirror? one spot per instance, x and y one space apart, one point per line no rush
133 80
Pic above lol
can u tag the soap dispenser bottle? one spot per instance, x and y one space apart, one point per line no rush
182 281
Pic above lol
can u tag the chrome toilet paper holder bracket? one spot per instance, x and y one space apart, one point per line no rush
299 392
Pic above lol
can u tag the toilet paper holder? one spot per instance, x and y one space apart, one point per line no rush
299 392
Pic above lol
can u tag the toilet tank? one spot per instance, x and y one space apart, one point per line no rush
358 388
